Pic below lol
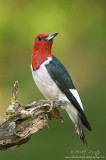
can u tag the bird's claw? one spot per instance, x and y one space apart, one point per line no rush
52 103
51 106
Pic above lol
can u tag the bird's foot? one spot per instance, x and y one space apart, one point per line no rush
52 103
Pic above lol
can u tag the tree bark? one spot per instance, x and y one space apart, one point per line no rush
23 121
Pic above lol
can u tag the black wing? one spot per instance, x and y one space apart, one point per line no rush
63 80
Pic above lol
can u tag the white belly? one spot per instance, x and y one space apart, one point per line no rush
46 85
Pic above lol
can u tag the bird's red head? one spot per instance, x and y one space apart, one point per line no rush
42 49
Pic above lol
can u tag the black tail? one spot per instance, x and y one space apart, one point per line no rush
79 127
80 131
85 121
79 119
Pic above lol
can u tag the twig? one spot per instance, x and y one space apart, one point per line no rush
15 130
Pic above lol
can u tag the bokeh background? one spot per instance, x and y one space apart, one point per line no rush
80 45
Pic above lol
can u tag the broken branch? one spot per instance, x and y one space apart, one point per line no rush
15 130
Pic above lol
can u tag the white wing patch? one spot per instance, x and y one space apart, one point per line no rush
76 95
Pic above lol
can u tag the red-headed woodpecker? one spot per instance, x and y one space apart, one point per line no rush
55 83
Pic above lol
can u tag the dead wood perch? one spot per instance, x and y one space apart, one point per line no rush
13 132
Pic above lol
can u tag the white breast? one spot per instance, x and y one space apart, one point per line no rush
46 85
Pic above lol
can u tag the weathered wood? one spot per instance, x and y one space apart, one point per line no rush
23 121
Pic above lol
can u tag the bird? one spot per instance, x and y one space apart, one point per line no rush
55 83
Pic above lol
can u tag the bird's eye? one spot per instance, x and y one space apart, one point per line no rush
39 38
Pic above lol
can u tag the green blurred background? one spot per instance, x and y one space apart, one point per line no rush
80 45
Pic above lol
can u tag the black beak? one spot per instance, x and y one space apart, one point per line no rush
51 36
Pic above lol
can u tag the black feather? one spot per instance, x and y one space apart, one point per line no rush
80 131
63 80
